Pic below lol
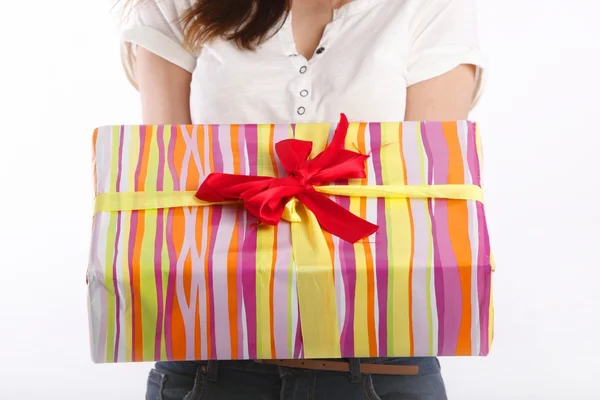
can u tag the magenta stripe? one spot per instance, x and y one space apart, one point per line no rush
116 288
132 235
133 228
170 285
381 242
483 252
171 250
249 249
437 265
450 279
214 223
298 348
240 219
171 158
412 151
348 267
158 244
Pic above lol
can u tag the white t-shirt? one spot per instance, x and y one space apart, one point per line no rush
369 54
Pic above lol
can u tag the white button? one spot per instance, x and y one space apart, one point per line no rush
301 110
304 93
303 69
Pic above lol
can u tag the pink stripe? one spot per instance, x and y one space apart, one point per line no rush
158 246
348 266
298 349
412 151
450 300
240 241
101 306
249 250
281 291
171 250
381 243
214 223
483 252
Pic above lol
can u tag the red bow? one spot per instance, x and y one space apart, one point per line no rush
265 197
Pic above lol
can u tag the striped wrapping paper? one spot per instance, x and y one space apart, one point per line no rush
196 283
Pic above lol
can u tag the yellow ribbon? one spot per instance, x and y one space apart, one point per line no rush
131 201
315 285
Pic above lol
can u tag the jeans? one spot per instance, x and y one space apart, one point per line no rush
233 380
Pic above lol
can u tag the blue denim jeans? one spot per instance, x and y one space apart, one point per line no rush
247 380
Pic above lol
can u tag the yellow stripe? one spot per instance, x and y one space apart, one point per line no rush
110 251
264 255
400 191
318 134
149 311
400 249
148 285
361 330
318 311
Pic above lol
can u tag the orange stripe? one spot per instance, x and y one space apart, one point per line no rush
179 152
235 151
412 248
232 256
138 344
95 175
458 216
232 294
193 178
372 332
329 239
178 326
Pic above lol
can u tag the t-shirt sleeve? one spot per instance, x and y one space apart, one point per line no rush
445 35
156 26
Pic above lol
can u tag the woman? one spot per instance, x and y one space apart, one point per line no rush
249 61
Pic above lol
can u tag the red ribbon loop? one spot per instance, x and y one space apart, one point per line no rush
265 197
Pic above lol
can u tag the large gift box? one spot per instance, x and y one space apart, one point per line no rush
289 241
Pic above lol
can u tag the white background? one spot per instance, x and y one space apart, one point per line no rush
61 76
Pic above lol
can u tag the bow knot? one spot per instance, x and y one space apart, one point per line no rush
267 198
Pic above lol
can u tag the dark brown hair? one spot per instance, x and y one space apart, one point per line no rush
246 23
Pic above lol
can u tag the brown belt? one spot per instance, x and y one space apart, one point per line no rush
326 365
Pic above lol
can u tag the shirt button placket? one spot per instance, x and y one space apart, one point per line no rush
304 82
